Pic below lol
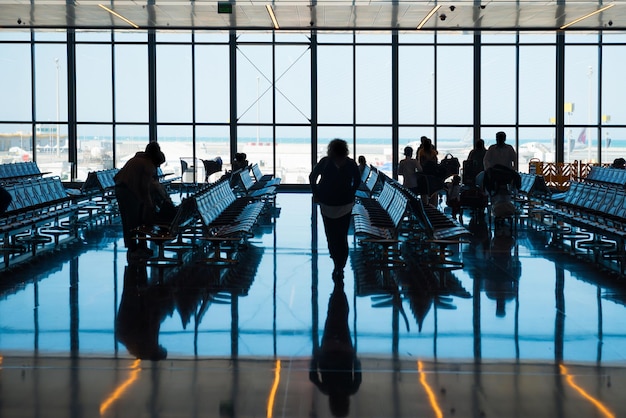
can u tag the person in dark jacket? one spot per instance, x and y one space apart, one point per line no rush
339 179
137 188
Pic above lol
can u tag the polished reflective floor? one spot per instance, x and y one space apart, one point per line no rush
525 328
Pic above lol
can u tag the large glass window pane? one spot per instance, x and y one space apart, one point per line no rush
457 141
131 36
537 81
416 81
455 38
533 38
131 90
212 83
581 144
52 150
326 134
497 94
50 35
15 143
498 38
254 84
613 87
51 82
373 84
93 83
293 155
416 38
373 38
178 36
335 84
93 36
334 37
454 84
128 140
581 84
534 143
213 142
15 82
613 144
177 144
95 149
15 35
257 143
174 98
211 36
375 145
293 93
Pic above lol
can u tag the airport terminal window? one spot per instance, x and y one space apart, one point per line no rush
176 143
15 81
535 143
373 84
498 74
211 83
375 144
354 93
254 84
128 140
174 84
327 133
50 73
455 87
581 98
293 155
537 85
613 109
335 84
94 150
293 81
212 141
131 90
416 81
93 83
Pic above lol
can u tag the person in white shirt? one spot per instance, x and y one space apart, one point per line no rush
407 168
500 153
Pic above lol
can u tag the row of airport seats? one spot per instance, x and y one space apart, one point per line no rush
214 216
387 215
588 218
41 214
607 175
11 172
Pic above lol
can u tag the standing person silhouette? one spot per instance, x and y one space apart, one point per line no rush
339 179
475 163
500 153
407 168
138 192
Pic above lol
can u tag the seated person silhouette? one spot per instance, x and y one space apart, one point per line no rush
142 309
335 368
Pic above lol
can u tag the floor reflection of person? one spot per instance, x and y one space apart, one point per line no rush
335 368
502 287
141 311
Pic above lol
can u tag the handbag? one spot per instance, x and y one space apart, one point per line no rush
451 165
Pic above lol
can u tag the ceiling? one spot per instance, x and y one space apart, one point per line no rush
335 15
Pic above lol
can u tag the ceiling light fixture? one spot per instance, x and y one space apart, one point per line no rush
134 25
272 16
573 22
428 16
